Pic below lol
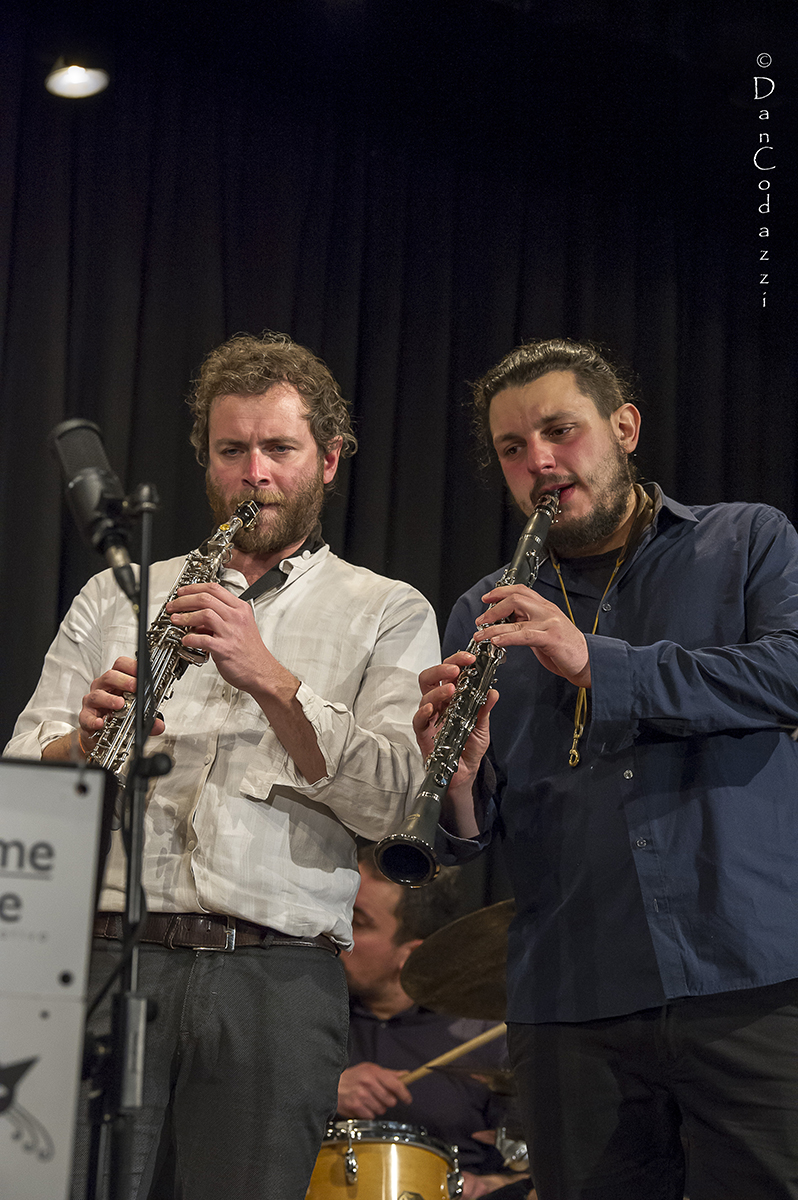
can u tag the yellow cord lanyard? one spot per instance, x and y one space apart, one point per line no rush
643 517
581 695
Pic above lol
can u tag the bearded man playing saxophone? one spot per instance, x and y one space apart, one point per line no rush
641 772
294 738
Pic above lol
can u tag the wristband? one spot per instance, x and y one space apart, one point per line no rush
85 752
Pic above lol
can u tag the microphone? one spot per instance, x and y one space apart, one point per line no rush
95 496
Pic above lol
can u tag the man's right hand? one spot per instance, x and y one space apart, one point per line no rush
367 1091
437 689
107 695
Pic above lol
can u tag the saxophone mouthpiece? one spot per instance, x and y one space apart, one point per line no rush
247 513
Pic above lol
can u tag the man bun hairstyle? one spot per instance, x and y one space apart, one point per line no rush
607 386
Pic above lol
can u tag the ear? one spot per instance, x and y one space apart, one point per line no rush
406 949
625 423
330 459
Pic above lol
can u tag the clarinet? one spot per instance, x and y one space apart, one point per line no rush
169 658
408 855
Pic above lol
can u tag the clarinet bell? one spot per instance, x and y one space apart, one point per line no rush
408 856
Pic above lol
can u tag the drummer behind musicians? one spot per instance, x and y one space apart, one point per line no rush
390 1035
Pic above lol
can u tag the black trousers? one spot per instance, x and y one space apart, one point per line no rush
611 1106
241 1070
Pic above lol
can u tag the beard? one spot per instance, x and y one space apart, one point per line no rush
295 516
611 483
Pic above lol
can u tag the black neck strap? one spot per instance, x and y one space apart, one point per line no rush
275 577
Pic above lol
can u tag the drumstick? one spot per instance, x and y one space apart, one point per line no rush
488 1036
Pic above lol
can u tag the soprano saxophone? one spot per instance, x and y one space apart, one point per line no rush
408 856
169 658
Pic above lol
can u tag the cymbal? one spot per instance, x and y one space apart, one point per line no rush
460 969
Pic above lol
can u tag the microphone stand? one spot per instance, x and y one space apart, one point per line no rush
120 1095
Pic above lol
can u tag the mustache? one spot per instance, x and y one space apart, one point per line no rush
551 484
260 496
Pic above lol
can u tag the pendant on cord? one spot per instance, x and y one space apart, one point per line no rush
573 757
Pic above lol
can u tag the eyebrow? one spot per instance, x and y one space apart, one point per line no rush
548 419
278 440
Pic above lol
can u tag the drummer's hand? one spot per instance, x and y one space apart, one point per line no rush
367 1091
483 1185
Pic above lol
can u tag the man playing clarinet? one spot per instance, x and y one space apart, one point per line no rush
640 771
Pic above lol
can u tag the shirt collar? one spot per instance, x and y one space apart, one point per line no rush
276 576
359 1009
667 512
661 501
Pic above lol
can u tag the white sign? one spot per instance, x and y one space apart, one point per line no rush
50 820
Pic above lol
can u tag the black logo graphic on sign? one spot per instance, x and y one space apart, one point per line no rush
34 1137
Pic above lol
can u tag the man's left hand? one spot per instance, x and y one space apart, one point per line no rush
224 626
551 636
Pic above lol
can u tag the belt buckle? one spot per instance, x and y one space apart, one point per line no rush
229 939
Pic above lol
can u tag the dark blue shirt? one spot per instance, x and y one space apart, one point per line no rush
666 863
451 1107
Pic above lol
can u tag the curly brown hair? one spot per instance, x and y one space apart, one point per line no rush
607 386
248 366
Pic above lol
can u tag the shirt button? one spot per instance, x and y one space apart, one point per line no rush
207 759
606 606
640 843
192 845
628 774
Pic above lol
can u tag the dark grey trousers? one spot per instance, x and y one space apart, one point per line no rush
242 1067
609 1106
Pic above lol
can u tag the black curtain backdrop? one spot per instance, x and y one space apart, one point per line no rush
410 190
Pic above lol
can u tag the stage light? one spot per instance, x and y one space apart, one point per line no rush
75 81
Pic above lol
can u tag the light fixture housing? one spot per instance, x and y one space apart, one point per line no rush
75 81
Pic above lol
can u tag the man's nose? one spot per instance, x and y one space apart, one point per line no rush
257 469
540 456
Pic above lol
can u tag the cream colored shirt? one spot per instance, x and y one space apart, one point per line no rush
234 828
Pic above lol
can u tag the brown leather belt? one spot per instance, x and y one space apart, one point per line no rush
206 931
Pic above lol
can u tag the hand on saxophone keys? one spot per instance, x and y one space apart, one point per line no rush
109 694
216 622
